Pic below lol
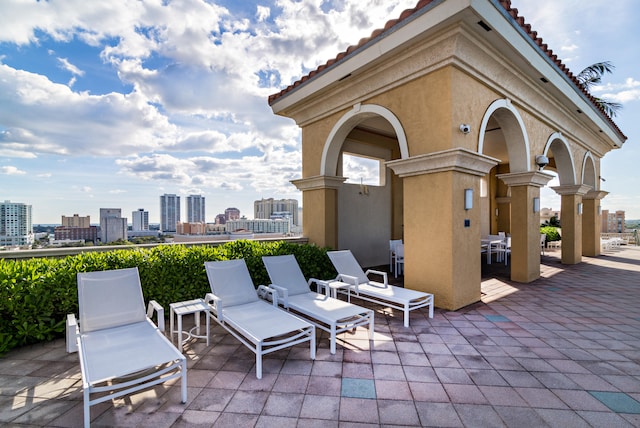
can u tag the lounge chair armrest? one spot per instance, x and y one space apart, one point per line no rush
155 306
352 280
265 292
73 331
379 272
319 284
215 303
277 293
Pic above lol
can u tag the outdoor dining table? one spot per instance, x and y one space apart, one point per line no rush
489 243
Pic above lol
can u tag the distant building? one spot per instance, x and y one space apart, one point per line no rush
169 212
231 214
140 220
16 226
221 219
195 209
85 234
191 228
267 208
113 226
76 221
612 222
259 226
546 214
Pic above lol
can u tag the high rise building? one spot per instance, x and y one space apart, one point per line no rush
76 221
169 212
113 226
195 209
140 220
16 227
613 222
276 208
231 214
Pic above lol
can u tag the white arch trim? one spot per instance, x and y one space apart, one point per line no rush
561 156
343 127
505 104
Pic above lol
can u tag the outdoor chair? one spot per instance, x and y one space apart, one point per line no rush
393 243
293 293
121 351
543 241
260 326
399 259
358 284
504 250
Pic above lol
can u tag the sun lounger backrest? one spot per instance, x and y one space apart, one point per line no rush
109 299
285 272
230 281
346 264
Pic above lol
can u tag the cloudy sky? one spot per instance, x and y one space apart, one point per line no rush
111 104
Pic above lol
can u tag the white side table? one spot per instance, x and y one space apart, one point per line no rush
185 308
331 287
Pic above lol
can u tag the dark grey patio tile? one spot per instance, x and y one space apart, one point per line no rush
420 374
265 421
251 402
541 397
392 390
561 418
196 418
448 361
212 399
283 404
447 375
486 377
359 410
431 392
468 394
438 415
520 416
388 372
320 407
235 420
555 380
323 385
473 415
604 419
394 412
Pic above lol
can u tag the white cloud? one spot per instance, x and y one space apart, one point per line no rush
11 170
70 67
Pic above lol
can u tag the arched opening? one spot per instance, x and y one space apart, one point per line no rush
503 137
370 199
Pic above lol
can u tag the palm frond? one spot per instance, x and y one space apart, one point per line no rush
592 74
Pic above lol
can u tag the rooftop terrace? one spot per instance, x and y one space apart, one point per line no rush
563 351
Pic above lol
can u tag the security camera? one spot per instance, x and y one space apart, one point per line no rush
465 129
542 161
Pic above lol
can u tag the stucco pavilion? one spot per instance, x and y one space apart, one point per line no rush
452 95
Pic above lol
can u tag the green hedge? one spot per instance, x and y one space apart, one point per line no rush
37 294
551 232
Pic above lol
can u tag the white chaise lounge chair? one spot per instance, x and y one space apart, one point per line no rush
121 351
260 326
293 293
359 285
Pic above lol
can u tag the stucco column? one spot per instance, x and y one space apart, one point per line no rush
591 223
525 223
320 225
572 209
442 238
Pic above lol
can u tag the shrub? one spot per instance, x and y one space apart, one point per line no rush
551 232
37 294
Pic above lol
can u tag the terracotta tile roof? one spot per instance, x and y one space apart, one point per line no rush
513 12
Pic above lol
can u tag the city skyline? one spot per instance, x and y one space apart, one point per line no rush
105 105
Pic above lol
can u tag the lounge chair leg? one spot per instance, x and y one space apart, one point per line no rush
406 315
87 409
312 344
183 382
332 348
371 325
259 361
